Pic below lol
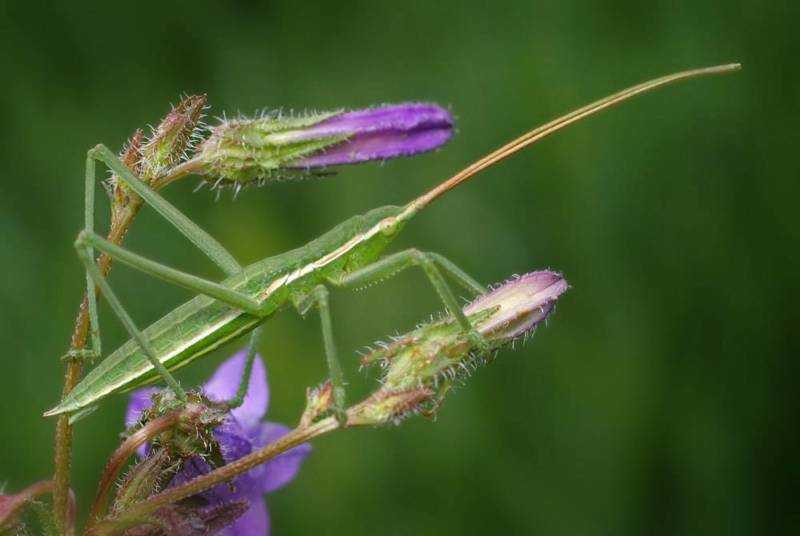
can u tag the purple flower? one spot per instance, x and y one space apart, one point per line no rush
379 134
421 365
244 151
241 433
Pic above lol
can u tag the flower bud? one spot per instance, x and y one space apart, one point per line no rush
318 402
440 351
524 302
271 147
170 140
386 406
147 477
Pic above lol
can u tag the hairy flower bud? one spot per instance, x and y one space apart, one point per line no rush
318 402
146 478
385 406
437 352
523 302
245 151
170 140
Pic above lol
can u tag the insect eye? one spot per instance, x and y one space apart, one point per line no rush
389 226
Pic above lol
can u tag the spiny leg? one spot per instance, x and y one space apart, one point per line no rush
200 238
397 262
319 297
94 273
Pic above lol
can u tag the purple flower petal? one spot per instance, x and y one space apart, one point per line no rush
243 487
138 402
377 146
234 443
262 479
233 440
225 381
401 117
238 435
283 469
523 303
254 522
378 134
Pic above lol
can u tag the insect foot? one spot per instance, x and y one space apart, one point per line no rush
421 365
245 151
481 345
81 355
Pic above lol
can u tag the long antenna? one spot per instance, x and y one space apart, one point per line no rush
538 133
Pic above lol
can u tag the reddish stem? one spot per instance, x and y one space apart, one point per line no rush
126 450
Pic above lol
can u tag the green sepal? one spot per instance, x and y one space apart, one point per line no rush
244 151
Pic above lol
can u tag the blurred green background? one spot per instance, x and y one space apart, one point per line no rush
660 399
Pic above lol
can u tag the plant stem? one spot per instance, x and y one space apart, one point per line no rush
178 172
74 368
10 505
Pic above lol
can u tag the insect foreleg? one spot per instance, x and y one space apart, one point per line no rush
397 262
86 256
319 297
200 238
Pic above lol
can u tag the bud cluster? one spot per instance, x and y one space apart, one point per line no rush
169 144
420 366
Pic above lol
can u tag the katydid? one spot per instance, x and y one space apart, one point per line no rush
347 256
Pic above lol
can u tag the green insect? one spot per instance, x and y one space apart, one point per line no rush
347 256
